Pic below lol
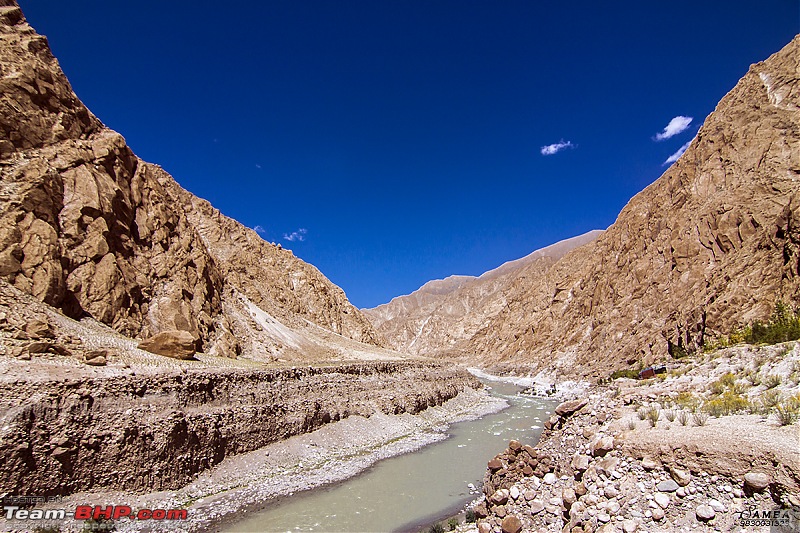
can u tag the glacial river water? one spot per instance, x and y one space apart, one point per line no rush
411 491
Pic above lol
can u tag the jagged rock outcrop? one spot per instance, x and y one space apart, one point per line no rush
443 313
88 228
708 247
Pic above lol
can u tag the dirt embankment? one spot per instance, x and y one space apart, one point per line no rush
156 432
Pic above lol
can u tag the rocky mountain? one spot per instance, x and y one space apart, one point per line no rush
709 246
92 230
443 313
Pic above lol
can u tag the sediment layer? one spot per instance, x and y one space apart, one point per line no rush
156 432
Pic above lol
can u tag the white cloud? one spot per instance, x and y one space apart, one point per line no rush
299 235
674 157
260 230
676 125
551 149
258 166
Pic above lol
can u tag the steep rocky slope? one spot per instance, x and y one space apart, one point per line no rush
709 246
90 229
442 313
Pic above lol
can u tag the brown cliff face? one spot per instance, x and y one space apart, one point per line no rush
87 227
444 313
709 246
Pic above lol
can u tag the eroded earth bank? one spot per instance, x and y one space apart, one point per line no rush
113 437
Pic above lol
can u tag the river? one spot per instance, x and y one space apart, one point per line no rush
408 492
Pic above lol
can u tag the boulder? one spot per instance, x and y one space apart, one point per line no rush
38 329
569 497
580 462
705 513
38 347
568 408
97 353
96 361
630 526
681 477
662 499
649 464
607 466
756 481
174 343
511 524
500 497
601 445
495 464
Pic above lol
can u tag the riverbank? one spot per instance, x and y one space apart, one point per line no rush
690 451
217 498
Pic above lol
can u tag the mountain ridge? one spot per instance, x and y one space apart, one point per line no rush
448 311
708 247
90 229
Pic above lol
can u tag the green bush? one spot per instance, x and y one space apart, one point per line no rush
726 404
470 516
452 524
688 401
632 373
782 326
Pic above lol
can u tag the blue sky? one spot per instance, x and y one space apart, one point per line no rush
392 142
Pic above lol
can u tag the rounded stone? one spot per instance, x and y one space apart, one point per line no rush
717 505
705 512
629 526
756 481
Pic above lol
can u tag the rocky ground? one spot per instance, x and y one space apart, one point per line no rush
687 452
